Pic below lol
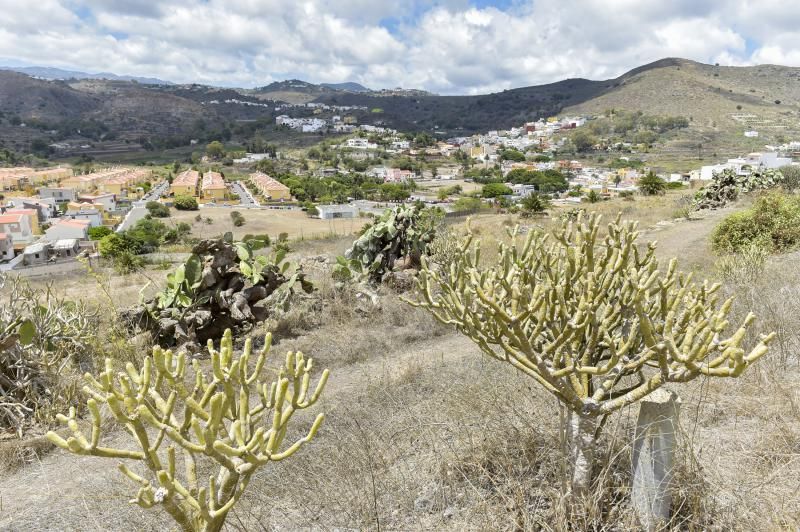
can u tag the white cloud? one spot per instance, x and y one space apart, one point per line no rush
446 45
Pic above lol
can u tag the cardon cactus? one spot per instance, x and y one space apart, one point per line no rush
728 184
591 319
231 418
402 232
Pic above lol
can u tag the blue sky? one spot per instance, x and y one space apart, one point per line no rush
446 46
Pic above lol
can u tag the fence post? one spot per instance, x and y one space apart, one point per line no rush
653 451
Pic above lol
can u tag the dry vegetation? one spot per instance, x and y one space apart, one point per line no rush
422 432
265 221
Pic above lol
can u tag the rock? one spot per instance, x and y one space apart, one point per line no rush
449 512
255 293
401 281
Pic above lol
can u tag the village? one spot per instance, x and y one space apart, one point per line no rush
52 215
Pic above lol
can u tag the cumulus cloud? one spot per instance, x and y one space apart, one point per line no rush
448 46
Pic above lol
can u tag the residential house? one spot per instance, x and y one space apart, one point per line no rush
60 195
185 184
38 253
396 175
33 217
66 248
68 228
360 143
270 188
18 226
6 247
108 200
213 187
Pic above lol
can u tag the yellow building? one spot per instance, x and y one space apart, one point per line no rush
185 184
213 187
270 188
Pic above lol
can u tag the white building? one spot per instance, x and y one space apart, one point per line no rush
6 247
66 229
329 212
17 226
360 143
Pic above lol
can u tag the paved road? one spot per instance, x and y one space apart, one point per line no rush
138 210
245 198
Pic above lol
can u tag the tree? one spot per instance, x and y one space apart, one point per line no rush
512 155
583 140
157 210
591 318
495 190
215 150
116 244
185 203
592 197
651 184
99 232
534 204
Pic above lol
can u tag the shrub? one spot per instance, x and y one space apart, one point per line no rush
115 244
791 177
592 197
773 223
237 218
467 205
157 210
185 203
744 267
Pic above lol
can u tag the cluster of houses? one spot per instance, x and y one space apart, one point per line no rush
47 213
269 188
209 186
18 178
337 124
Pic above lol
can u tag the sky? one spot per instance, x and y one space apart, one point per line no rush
445 46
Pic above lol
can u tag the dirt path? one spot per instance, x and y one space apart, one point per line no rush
688 239
68 492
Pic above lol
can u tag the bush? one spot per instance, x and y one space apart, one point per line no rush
467 205
773 223
534 204
114 245
97 233
791 177
157 210
237 218
744 267
592 197
185 203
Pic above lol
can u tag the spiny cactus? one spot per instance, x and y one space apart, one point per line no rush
728 184
593 320
231 417
402 232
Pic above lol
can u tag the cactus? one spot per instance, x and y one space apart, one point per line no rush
219 418
402 232
593 320
728 184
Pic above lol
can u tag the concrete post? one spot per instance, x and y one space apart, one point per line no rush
653 451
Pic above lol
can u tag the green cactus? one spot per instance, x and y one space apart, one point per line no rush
593 320
402 232
182 284
217 417
727 185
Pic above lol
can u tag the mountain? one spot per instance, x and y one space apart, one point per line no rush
347 86
52 73
720 103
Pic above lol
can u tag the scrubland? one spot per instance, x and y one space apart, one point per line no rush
423 432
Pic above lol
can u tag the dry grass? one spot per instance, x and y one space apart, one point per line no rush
266 221
422 432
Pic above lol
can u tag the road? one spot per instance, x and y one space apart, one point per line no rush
245 198
138 210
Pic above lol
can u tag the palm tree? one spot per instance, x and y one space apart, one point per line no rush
651 184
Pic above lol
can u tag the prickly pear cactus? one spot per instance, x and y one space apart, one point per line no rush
402 232
726 186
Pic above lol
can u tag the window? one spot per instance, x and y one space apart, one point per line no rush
37 255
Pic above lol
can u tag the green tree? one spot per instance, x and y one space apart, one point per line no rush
583 140
97 233
117 244
512 154
651 184
215 150
237 218
494 190
534 204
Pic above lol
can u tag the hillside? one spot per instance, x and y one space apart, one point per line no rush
58 73
720 103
